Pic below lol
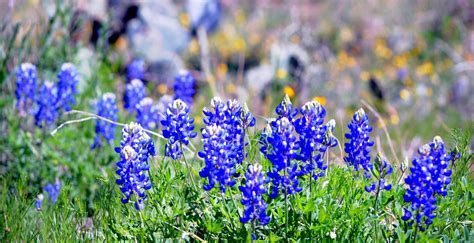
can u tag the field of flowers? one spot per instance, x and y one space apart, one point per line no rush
224 120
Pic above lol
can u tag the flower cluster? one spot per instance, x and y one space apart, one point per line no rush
429 176
136 70
106 107
177 128
359 145
52 193
135 148
381 169
231 120
148 114
67 82
184 87
47 112
252 195
282 153
135 91
218 167
25 88
311 128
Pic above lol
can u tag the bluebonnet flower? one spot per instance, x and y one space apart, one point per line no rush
106 107
47 112
148 114
177 128
135 91
67 82
329 139
280 137
224 148
252 195
135 148
429 177
311 128
52 190
286 109
25 88
218 167
359 146
136 70
52 193
381 169
184 87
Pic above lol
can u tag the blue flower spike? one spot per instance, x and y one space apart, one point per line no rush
135 149
148 114
135 91
47 112
429 177
177 128
252 196
26 81
67 90
359 146
106 107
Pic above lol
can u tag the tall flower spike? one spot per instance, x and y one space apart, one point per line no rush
67 82
106 107
135 148
218 167
25 88
252 195
184 87
282 153
177 128
359 146
216 114
381 169
47 112
310 126
148 114
134 93
429 177
136 70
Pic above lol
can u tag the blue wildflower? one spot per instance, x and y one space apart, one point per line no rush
184 87
359 145
311 128
286 109
381 169
47 112
52 190
25 88
136 70
280 137
163 104
135 148
148 114
252 195
106 107
429 177
67 82
218 167
329 139
177 128
135 91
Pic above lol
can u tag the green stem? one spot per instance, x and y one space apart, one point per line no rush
187 165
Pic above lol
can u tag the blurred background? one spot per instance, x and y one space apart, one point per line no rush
413 61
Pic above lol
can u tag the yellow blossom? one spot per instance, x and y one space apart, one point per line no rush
162 88
289 91
281 73
404 94
364 76
320 99
425 69
184 20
